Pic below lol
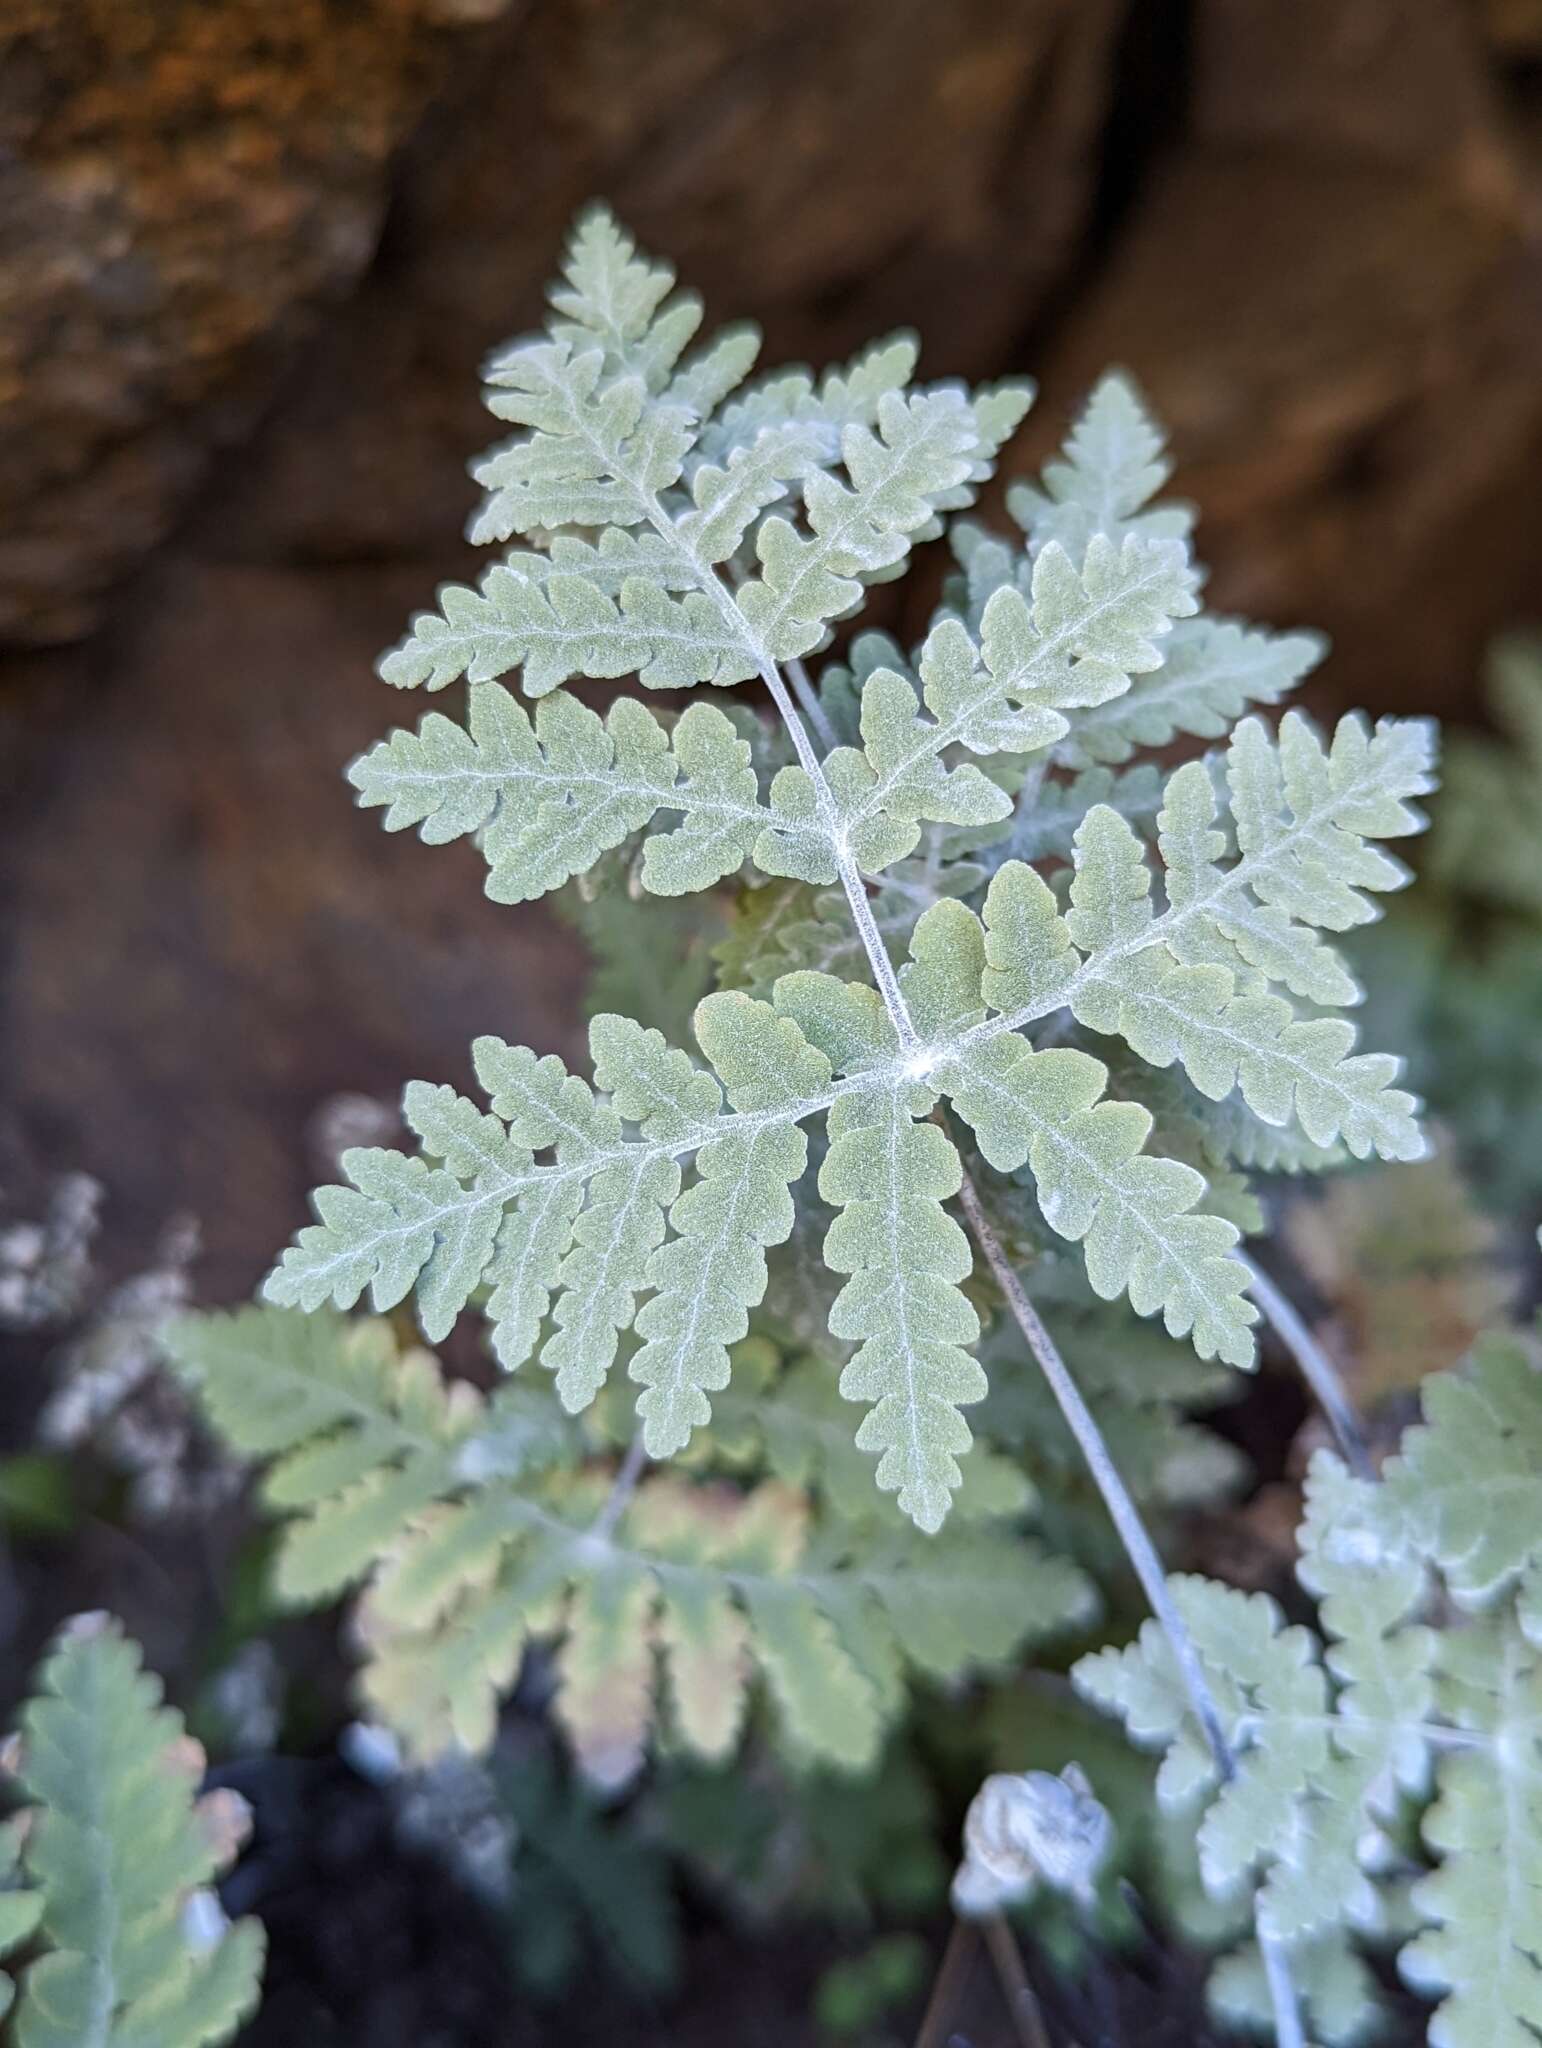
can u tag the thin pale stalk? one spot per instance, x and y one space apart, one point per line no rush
810 706
624 1486
1142 1553
1288 2029
1022 2001
949 1986
1122 1510
882 967
1317 1368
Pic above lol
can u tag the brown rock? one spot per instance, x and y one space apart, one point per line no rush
1337 310
183 184
1395 82
207 939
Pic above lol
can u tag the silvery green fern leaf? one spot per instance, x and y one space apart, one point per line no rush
1315 1770
690 532
1183 983
616 446
1481 1953
550 795
713 1587
590 1227
557 624
1111 467
1077 639
117 1854
1468 1479
1330 1737
483 1534
788 1417
1211 670
1336 1986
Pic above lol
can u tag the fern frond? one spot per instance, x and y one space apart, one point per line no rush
114 1849
361 1435
1488 840
614 298
1468 1480
718 1587
608 1219
1077 640
1484 1949
1214 1136
552 795
918 457
791 1421
1046 817
491 1539
691 532
590 1227
986 564
1329 1738
614 442
1336 1986
556 624
1131 1213
20 1908
889 1176
713 1271
1212 670
1181 984
579 1871
1112 465
1313 1772
823 409
887 1173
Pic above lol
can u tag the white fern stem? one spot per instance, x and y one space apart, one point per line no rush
882 967
1316 1367
630 1470
1021 2000
1286 2007
713 585
809 704
1142 1553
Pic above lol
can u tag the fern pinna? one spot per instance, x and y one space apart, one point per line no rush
1344 1737
979 962
106 1871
